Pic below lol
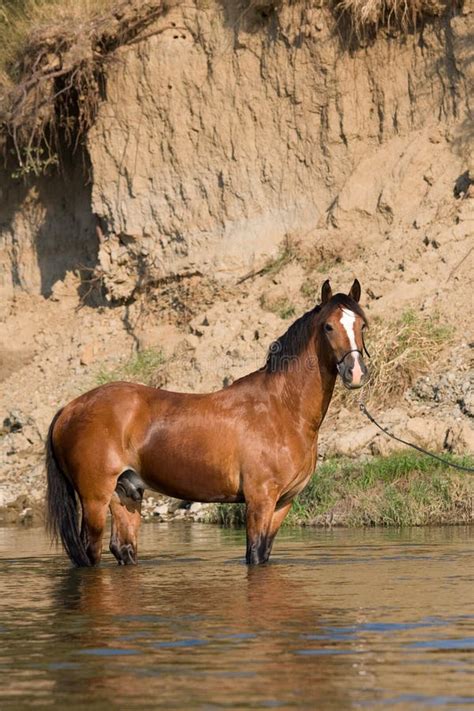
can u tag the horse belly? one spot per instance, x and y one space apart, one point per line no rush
193 474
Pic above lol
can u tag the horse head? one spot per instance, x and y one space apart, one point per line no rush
343 323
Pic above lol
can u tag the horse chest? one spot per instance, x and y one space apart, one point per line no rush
295 488
301 476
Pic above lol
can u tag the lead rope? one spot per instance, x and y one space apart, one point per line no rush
364 411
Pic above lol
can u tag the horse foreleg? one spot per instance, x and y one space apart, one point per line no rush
126 519
259 518
277 519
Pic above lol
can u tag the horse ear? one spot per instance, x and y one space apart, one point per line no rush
355 290
326 292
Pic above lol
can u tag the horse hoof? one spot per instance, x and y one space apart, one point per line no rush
128 555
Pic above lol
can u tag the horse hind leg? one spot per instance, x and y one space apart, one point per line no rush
96 494
94 515
125 507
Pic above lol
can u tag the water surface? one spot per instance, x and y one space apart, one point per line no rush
338 620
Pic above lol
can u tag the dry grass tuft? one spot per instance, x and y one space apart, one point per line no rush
365 17
370 15
362 17
25 22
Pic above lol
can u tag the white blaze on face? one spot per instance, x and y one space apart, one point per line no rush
347 322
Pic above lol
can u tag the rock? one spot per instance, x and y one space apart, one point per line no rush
431 433
466 438
175 504
395 415
13 422
466 403
161 510
195 507
353 442
22 430
26 515
428 432
383 446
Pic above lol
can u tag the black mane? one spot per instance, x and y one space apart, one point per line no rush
291 344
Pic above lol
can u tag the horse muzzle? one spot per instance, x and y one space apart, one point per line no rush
353 371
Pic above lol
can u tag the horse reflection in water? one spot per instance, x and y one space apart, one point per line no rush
253 442
204 637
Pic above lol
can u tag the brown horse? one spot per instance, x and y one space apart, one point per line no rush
253 442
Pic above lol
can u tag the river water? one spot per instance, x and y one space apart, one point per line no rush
338 620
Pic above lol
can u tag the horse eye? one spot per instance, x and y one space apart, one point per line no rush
327 327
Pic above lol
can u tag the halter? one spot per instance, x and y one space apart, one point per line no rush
355 350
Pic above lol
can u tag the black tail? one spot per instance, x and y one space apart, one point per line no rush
62 506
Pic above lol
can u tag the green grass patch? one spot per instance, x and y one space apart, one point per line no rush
286 310
287 253
404 489
141 368
280 306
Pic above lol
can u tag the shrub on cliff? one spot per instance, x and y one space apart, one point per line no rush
369 15
52 57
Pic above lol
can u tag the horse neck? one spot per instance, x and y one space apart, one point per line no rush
307 386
